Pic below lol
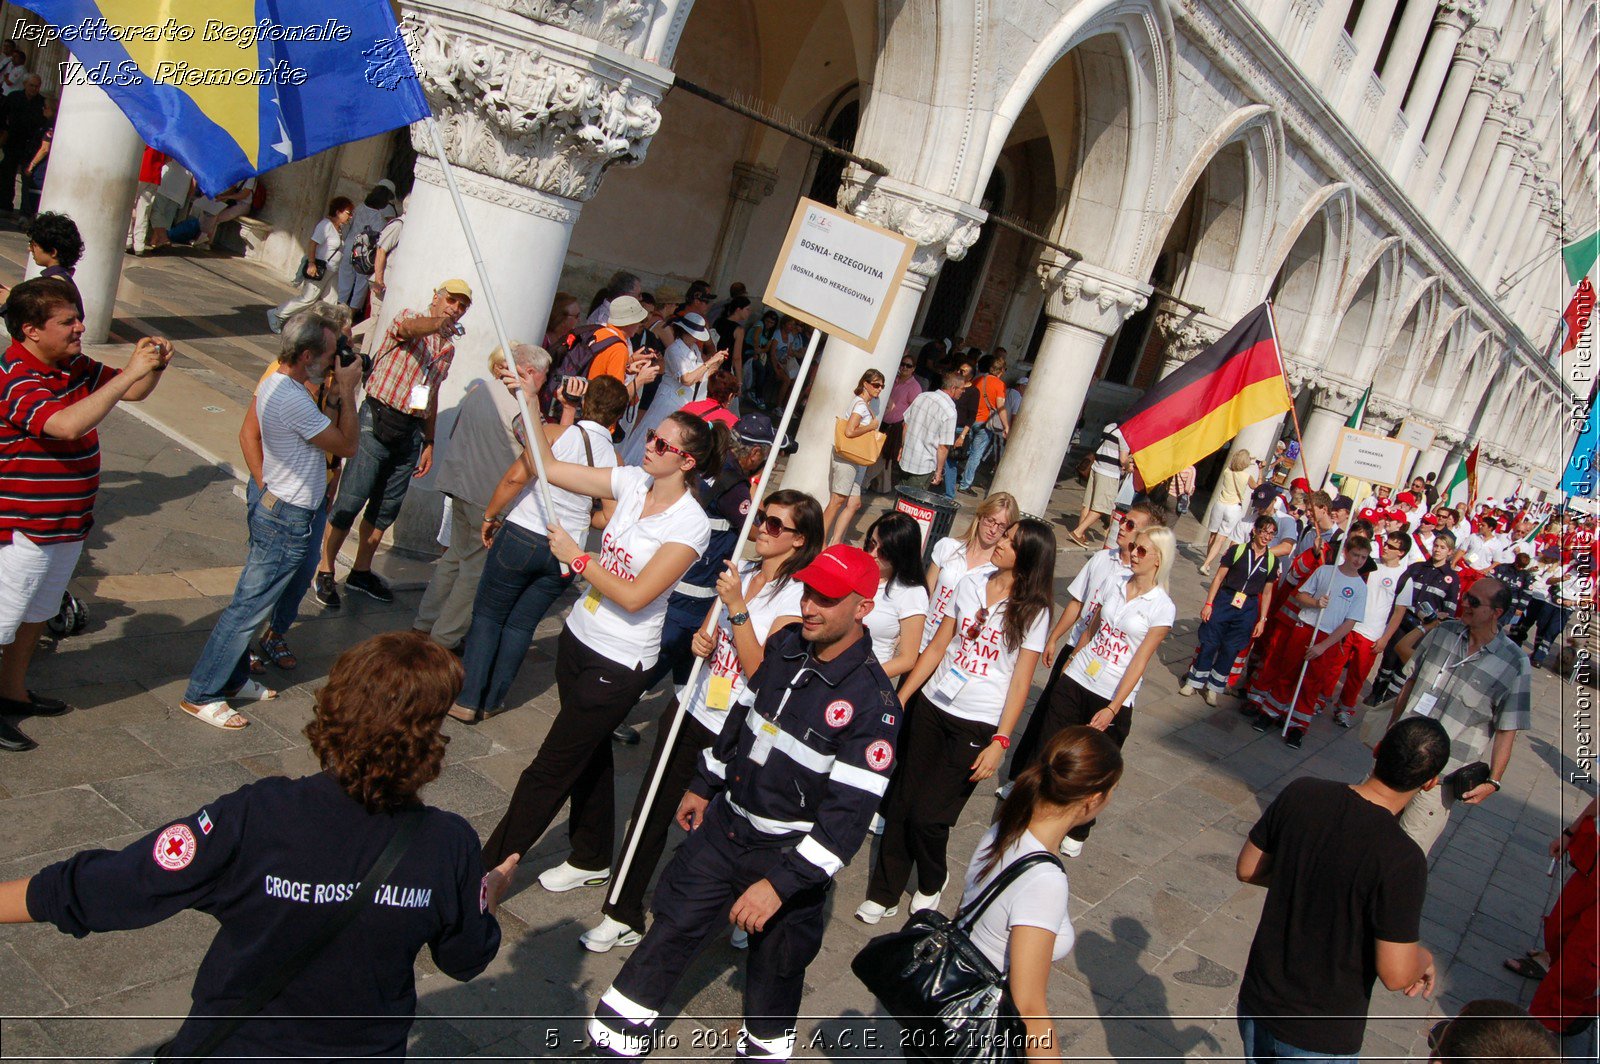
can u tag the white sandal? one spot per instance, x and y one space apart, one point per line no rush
254 691
217 714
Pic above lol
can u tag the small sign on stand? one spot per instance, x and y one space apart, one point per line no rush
1370 457
838 273
1418 434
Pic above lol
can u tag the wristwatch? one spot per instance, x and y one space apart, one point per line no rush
1493 783
1003 740
580 563
736 619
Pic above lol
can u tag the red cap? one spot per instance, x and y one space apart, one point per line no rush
1301 483
1373 515
840 570
1405 498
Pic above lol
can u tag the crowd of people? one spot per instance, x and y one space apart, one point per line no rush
844 690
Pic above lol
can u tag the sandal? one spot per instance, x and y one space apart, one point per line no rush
217 714
258 667
252 691
1526 967
276 650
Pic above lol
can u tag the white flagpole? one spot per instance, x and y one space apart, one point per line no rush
530 423
1288 716
620 875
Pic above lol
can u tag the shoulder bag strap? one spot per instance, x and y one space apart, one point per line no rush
970 914
409 821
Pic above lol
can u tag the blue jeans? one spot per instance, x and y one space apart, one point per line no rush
521 581
288 609
375 481
1262 1047
983 438
280 540
952 473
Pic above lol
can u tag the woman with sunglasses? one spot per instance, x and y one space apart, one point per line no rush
845 477
1099 684
953 558
963 699
760 597
611 639
895 623
682 370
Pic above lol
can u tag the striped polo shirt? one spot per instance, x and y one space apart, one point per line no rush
47 486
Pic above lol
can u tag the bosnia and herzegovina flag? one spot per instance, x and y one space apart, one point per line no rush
1186 415
233 88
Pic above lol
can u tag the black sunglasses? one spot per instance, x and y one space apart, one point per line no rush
772 526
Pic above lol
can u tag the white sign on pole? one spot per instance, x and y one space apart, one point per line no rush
1372 458
838 273
1544 480
1418 434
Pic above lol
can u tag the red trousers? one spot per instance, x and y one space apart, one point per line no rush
1361 659
1281 670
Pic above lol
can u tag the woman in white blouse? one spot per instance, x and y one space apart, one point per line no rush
1100 682
845 477
612 637
1028 927
895 623
682 370
963 699
952 558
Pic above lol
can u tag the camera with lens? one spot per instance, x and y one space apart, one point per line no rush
347 355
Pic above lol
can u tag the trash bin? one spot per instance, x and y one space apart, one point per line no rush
934 513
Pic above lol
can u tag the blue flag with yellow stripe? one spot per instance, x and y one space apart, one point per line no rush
233 88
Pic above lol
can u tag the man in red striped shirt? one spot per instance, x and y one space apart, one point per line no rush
52 398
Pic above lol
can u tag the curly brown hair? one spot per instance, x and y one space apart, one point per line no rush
377 724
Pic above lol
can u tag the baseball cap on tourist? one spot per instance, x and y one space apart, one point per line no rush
457 287
840 570
756 429
626 310
1342 502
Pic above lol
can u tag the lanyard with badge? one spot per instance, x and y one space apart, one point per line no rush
767 730
1242 595
958 678
1427 705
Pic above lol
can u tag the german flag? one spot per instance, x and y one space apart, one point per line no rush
1185 416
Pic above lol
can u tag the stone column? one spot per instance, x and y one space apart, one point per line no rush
1404 51
93 174
1510 221
1475 136
1452 109
1372 25
752 183
1429 461
1085 306
1424 102
1506 171
1335 401
943 228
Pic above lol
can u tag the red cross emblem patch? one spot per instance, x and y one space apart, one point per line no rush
838 713
174 848
879 756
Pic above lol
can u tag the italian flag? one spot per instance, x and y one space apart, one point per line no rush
1463 489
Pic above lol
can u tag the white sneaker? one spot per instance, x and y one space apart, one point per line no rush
563 877
1003 791
1187 689
607 933
877 825
253 691
1211 696
740 939
870 912
1071 847
920 901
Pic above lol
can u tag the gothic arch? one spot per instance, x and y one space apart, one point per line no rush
1363 314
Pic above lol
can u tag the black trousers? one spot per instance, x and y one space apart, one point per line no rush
1026 749
574 761
1065 703
930 787
713 867
652 825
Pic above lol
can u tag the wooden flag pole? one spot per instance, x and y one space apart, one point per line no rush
1294 416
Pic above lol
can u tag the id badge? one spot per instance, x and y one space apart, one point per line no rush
952 684
419 398
1094 666
591 601
1426 706
1239 598
719 693
765 734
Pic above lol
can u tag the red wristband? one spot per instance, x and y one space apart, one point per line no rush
1003 740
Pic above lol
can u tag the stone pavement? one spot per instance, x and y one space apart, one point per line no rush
1163 926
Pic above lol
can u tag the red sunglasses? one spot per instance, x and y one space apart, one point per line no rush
657 442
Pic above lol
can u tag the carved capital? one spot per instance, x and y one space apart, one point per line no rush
1089 297
1338 395
623 24
545 113
1475 47
753 183
1344 52
520 198
943 227
1458 14
1299 374
1387 412
1186 332
1506 106
1493 75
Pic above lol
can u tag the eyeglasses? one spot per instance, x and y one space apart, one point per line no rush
1475 603
908 365
772 526
657 442
975 629
1129 525
994 522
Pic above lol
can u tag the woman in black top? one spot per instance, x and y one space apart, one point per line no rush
274 860
1236 609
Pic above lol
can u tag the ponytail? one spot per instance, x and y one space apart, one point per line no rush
1076 764
707 443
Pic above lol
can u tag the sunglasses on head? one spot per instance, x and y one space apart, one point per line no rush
772 526
976 627
653 440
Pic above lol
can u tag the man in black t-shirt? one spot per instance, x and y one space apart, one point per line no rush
1345 887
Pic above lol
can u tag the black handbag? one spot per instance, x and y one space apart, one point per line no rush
1466 778
269 988
930 977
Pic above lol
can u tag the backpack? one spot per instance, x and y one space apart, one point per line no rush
1237 555
364 251
579 348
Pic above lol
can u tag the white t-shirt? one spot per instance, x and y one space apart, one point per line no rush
1089 587
1381 583
1124 623
634 639
1037 898
328 240
893 604
722 681
1347 598
572 509
950 555
975 676
682 357
294 469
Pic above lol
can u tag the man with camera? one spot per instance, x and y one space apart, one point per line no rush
396 436
52 400
281 506
1468 675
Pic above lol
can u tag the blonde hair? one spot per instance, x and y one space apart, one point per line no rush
1166 547
1241 458
1001 502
